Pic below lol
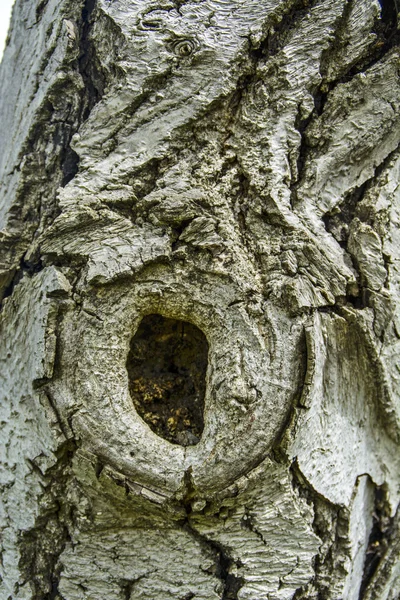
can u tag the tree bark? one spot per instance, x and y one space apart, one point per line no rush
200 326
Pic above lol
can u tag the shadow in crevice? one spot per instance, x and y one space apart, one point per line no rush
167 365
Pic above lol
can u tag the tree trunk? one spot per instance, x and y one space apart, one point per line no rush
200 327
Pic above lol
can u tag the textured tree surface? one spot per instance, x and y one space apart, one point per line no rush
200 325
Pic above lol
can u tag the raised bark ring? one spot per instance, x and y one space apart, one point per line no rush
252 379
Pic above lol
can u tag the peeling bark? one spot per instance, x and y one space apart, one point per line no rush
200 283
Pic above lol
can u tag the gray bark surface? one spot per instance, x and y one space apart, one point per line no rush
233 166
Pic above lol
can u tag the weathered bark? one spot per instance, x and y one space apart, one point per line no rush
200 327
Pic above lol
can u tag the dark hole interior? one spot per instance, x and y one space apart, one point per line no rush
167 365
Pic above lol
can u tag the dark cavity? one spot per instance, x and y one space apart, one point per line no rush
167 365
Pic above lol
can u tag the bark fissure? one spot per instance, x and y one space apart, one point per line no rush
42 546
128 585
340 221
224 564
277 37
26 267
59 117
329 524
379 539
88 63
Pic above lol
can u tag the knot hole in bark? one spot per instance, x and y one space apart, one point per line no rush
167 365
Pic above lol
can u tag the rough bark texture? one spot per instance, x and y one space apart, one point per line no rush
189 187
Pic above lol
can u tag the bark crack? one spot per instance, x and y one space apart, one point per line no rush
88 64
379 539
247 522
127 585
225 564
42 545
26 267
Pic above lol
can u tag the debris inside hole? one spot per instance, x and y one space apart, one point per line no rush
167 365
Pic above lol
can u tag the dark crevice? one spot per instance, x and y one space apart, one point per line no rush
390 12
360 301
9 290
99 468
144 180
301 126
389 21
274 40
330 525
337 221
54 593
320 97
127 585
89 68
281 31
232 583
177 231
223 565
25 267
127 588
299 594
379 538
32 267
94 81
69 165
41 546
387 37
40 9
189 492
243 184
167 366
247 522
41 174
